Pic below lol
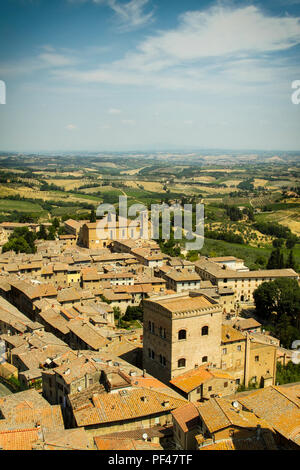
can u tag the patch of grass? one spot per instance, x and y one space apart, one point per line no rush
7 205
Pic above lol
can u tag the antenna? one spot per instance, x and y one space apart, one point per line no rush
145 436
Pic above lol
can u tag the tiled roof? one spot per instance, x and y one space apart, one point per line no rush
184 303
219 413
87 333
278 408
125 405
115 444
194 378
186 416
230 334
18 439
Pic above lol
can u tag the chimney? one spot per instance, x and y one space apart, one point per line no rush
144 372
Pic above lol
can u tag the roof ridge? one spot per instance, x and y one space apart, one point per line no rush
225 414
285 395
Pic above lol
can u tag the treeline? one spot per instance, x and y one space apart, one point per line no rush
246 185
273 229
229 236
50 187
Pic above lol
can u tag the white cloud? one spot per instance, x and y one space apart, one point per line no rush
129 15
207 51
223 31
56 60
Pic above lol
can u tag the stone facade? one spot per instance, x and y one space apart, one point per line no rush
181 333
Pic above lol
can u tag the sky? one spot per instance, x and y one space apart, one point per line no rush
121 75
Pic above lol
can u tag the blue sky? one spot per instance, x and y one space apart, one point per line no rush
132 75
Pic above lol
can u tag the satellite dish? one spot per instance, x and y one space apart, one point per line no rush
235 404
145 436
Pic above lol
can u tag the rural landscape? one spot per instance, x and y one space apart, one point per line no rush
249 200
149 229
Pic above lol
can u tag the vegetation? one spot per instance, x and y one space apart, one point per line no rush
278 304
21 241
287 374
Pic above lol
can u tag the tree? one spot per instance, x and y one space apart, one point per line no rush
93 216
291 242
42 234
133 313
51 233
291 262
279 302
276 260
21 241
55 223
278 242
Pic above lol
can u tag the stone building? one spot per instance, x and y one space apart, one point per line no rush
243 283
181 333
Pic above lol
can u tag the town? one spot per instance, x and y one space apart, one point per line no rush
113 345
149 229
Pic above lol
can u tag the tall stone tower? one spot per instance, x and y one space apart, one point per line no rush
180 333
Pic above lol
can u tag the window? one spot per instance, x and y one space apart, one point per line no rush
225 384
151 353
224 351
204 359
239 348
204 331
162 360
181 362
182 334
238 381
256 358
210 388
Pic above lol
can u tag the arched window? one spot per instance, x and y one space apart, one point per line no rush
204 359
204 331
182 334
181 362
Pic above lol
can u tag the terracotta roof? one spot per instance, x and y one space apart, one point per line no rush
18 439
184 303
219 413
186 416
246 323
87 333
230 334
215 269
278 408
106 443
194 378
125 405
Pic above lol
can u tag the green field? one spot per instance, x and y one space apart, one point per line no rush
7 205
